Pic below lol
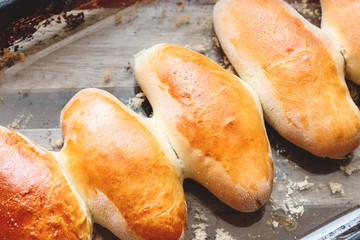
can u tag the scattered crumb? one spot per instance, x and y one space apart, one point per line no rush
106 77
199 231
275 224
216 42
349 169
291 201
180 4
288 203
22 56
16 123
207 24
163 12
292 209
253 236
27 119
118 17
42 70
20 121
269 223
222 235
199 48
57 143
201 217
305 9
136 101
336 188
226 61
304 184
9 58
182 19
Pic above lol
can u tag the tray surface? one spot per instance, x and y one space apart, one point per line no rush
99 53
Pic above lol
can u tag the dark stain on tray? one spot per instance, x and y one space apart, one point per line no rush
20 19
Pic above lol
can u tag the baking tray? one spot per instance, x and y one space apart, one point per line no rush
57 61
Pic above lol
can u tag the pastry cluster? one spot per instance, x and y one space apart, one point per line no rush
126 171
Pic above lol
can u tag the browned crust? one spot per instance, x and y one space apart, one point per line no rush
108 150
295 69
341 19
213 123
36 202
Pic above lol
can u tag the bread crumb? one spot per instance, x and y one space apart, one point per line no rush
16 123
226 61
9 58
180 4
118 17
199 231
253 236
222 235
336 188
182 19
289 204
57 143
199 48
22 56
201 217
163 12
136 101
106 77
294 210
275 224
20 121
304 184
216 42
349 170
207 23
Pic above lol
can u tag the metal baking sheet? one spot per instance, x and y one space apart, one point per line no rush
58 62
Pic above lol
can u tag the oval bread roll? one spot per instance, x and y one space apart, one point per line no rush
341 19
296 71
127 173
212 120
36 200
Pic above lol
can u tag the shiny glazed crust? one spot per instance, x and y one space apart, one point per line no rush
128 176
212 120
296 71
341 19
36 201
